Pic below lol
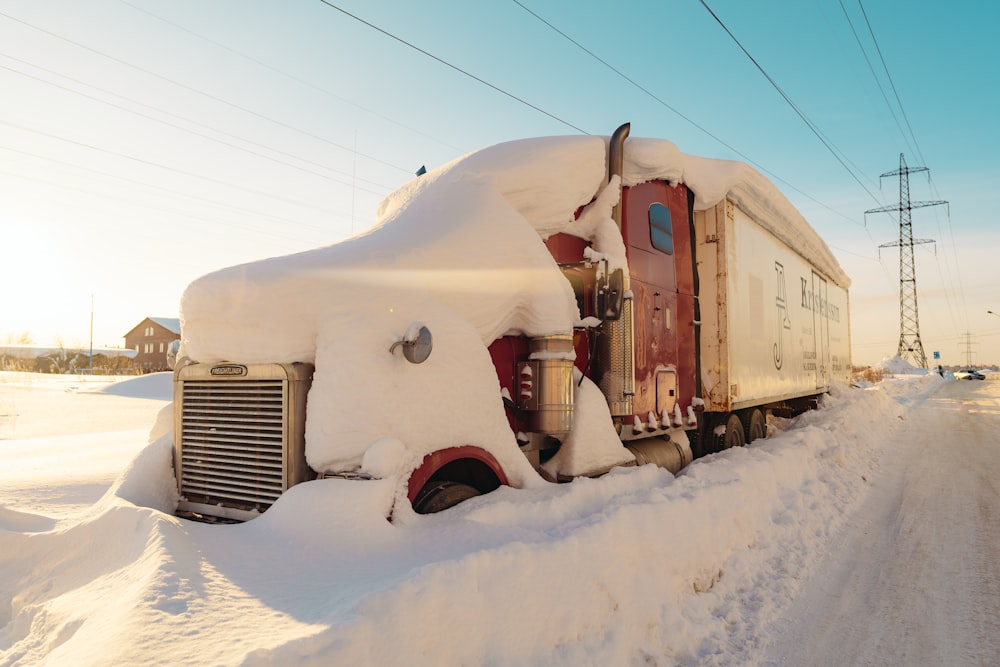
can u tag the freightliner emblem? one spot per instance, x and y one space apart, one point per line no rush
230 370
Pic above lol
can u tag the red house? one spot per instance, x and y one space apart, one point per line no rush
151 339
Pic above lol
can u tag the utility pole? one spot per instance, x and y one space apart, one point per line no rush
968 345
91 332
910 346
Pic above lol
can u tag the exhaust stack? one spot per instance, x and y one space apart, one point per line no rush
618 365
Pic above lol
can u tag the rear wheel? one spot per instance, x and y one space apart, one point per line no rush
439 495
756 425
734 436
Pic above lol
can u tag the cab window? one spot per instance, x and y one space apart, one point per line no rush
660 231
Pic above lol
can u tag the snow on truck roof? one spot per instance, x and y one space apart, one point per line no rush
466 235
548 179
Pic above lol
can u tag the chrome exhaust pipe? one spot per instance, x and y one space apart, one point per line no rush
617 378
616 165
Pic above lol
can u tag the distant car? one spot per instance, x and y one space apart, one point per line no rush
969 374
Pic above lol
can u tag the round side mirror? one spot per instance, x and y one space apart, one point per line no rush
416 346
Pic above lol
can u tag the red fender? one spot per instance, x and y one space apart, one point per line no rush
442 457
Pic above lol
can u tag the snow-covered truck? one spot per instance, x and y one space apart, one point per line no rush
532 312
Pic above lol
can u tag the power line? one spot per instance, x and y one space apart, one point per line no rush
916 144
147 205
184 129
171 191
871 69
946 274
454 67
202 93
660 101
891 83
805 119
630 80
946 281
681 115
287 75
150 163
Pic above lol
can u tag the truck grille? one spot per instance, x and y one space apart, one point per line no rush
239 436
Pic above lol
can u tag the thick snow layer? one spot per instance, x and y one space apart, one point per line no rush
635 567
362 394
459 250
714 180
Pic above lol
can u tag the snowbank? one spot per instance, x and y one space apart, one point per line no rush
153 385
896 365
637 566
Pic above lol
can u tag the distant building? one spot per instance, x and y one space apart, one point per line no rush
151 341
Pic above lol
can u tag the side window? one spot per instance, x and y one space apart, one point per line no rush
660 231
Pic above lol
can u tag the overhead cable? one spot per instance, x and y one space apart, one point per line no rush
206 137
286 74
691 121
454 67
805 119
202 93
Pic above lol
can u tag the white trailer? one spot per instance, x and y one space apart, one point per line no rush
774 326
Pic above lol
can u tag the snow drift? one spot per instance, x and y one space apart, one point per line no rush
637 566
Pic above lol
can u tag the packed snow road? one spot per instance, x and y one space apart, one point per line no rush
915 579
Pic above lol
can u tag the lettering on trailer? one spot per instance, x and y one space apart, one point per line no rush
809 365
837 363
782 321
815 302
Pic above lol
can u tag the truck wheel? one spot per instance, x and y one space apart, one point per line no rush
756 425
734 436
439 495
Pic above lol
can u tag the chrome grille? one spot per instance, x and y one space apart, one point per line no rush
239 440
232 440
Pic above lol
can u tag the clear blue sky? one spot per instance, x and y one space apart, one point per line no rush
143 144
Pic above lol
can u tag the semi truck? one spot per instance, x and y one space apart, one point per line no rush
530 313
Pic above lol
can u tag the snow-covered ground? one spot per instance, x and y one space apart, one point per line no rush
915 576
734 561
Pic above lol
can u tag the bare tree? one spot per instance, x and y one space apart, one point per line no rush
23 338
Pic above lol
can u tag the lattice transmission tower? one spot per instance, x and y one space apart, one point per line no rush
910 347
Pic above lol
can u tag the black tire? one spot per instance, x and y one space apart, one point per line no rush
735 436
442 494
756 425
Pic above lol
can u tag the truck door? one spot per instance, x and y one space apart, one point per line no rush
821 328
655 226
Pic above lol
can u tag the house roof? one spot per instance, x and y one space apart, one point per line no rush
172 324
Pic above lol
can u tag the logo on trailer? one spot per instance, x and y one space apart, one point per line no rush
782 323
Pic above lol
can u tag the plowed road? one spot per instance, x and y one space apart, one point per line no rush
916 579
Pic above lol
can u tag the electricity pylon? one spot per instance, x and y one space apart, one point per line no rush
910 346
968 345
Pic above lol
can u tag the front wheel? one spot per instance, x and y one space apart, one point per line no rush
439 495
